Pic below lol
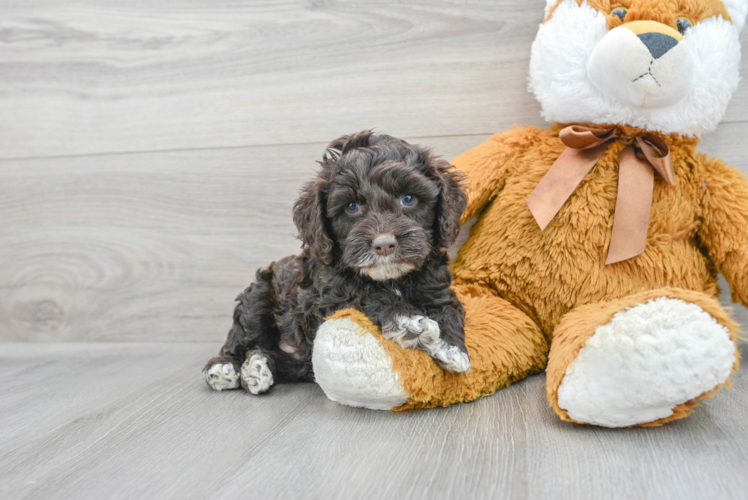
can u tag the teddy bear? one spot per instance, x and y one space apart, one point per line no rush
598 240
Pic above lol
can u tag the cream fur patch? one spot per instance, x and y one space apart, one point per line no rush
644 362
221 377
353 369
256 374
560 81
387 271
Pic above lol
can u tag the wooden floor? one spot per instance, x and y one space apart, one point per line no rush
119 420
150 153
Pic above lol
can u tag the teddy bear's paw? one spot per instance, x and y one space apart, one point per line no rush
353 368
256 375
221 376
647 360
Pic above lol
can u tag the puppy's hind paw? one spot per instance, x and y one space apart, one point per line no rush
221 376
256 375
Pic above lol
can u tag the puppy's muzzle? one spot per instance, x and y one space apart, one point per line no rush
384 245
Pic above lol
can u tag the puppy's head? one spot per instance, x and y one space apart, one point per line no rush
379 206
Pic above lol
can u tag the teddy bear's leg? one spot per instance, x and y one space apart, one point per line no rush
640 360
356 366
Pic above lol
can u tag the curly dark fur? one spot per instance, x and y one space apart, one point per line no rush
279 314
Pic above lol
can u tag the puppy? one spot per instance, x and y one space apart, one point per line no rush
375 224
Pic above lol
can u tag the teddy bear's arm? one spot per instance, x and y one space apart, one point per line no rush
724 229
486 167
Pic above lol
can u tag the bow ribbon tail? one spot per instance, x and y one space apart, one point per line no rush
635 190
561 180
633 206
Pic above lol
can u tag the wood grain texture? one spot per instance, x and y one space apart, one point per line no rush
111 420
146 246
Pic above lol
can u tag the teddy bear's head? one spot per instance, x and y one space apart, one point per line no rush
663 65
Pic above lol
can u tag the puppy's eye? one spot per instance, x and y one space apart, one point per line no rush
619 12
684 25
352 208
408 200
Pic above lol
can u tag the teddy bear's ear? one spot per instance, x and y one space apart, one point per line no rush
549 4
737 10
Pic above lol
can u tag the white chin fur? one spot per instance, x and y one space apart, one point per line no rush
622 68
559 75
387 271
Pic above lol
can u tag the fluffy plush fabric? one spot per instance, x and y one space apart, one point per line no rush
645 363
353 366
566 42
537 297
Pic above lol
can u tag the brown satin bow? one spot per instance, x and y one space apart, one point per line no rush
585 146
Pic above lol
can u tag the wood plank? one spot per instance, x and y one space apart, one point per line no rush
113 420
100 76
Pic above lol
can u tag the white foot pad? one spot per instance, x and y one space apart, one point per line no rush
221 377
353 369
256 374
423 332
643 363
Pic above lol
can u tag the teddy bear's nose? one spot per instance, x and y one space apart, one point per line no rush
658 44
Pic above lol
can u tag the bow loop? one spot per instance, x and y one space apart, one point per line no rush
637 163
579 137
657 152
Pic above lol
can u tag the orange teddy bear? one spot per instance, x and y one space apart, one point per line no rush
598 241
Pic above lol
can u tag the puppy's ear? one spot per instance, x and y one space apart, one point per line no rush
452 202
309 215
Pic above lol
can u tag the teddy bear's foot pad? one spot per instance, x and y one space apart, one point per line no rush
643 363
221 376
353 368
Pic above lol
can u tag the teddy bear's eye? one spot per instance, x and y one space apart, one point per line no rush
619 12
683 25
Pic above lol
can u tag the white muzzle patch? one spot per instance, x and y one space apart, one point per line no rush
648 70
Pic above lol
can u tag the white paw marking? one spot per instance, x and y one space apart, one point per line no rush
256 374
648 359
221 377
448 356
422 332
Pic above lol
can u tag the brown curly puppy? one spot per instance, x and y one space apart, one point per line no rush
375 224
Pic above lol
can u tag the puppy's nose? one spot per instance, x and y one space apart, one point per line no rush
658 44
384 244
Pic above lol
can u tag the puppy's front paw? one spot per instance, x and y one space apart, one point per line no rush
449 357
410 331
256 374
221 376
